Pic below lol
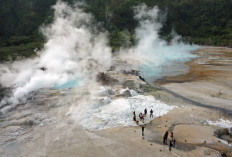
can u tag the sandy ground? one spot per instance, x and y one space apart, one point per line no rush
67 138
195 138
209 80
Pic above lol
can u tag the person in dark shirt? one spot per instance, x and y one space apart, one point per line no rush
165 137
145 111
151 113
172 136
143 126
140 115
134 116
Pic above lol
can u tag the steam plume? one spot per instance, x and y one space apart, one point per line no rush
75 53
154 55
72 52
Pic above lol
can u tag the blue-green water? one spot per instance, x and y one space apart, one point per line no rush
70 84
166 61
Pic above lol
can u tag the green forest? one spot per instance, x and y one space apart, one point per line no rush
205 22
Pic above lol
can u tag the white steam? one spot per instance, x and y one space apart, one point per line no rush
151 56
155 55
72 52
73 55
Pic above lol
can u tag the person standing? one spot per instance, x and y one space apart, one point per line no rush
143 126
165 137
172 136
151 113
140 115
145 111
170 145
134 117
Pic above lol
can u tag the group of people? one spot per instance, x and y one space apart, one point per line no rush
172 142
141 115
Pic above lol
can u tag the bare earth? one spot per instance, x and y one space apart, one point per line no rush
208 82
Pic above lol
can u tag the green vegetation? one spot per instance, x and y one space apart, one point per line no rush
19 26
199 21
10 53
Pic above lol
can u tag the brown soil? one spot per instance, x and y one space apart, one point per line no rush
212 63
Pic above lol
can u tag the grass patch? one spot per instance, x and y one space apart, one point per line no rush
10 53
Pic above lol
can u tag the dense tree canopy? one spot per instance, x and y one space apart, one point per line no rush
198 21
